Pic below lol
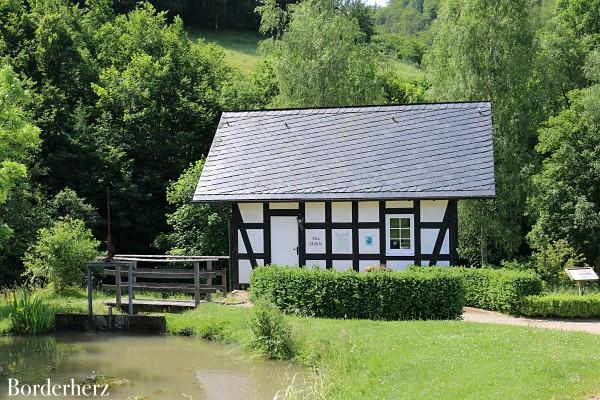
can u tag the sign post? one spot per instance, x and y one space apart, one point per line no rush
581 276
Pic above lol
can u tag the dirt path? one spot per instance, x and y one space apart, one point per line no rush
583 325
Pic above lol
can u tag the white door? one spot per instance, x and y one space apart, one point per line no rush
284 241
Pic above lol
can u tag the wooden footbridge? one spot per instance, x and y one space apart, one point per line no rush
130 276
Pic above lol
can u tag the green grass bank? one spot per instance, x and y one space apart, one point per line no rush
362 359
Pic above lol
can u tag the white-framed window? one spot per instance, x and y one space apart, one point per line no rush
400 237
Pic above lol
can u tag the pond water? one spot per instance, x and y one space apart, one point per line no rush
141 367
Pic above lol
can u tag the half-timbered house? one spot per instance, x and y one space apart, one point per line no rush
349 187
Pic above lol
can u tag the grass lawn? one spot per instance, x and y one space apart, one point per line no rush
240 52
425 359
405 70
362 359
240 47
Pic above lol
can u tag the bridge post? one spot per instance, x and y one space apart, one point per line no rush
197 283
118 285
89 293
130 287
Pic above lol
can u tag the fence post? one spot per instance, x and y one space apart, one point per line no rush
90 307
132 295
118 284
130 287
196 283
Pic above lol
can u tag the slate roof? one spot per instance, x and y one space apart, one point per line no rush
441 150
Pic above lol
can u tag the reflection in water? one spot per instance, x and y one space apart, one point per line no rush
142 367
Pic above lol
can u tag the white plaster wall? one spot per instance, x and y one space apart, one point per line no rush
368 211
314 212
251 212
443 263
283 206
399 265
365 248
317 263
256 241
399 204
341 211
341 265
245 268
433 210
428 238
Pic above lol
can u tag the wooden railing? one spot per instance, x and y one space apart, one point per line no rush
205 280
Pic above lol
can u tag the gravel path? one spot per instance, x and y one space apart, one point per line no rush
583 325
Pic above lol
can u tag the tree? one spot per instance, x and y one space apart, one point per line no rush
19 139
565 43
566 191
199 229
321 59
482 50
158 100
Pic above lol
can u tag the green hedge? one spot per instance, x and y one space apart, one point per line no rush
376 295
492 289
561 305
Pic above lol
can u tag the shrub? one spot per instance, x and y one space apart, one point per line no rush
271 333
28 315
561 305
552 259
492 289
60 254
376 295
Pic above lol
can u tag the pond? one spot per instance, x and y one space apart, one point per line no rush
141 367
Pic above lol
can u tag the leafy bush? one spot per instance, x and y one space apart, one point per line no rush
552 259
376 295
60 254
492 289
28 314
271 333
561 305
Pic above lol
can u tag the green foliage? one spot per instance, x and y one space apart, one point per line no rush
19 139
399 91
483 51
271 333
321 59
491 289
199 229
552 259
66 203
377 295
561 305
565 199
28 314
60 254
406 48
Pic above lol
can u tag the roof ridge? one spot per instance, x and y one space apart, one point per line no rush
372 108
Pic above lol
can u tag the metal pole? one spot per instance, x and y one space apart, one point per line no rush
90 308
130 287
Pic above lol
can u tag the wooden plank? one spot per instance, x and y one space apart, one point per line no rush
164 260
118 256
166 287
167 273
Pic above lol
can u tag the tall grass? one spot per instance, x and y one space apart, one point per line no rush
28 314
